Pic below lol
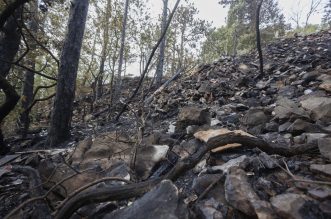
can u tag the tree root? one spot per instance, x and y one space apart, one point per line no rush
135 190
41 209
83 197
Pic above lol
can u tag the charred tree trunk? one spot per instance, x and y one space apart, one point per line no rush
99 90
258 37
159 69
104 53
11 100
59 130
9 45
181 51
27 99
121 53
27 93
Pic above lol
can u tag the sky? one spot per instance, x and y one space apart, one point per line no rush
211 11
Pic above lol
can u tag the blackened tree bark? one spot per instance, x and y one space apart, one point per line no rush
11 100
59 129
9 43
10 39
159 69
104 52
258 37
121 53
27 99
27 91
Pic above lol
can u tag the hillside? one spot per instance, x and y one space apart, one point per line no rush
215 143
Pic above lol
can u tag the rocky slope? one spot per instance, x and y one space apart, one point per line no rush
214 144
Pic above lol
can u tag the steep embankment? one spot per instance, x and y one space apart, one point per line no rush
233 147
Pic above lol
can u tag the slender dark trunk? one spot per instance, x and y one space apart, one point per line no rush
11 100
9 45
258 37
173 63
104 51
148 63
27 99
181 54
59 130
235 42
99 90
112 80
121 53
159 69
27 92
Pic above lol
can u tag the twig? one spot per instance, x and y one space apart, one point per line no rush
68 165
42 87
296 178
148 62
202 195
30 69
74 193
39 100
41 45
43 197
125 192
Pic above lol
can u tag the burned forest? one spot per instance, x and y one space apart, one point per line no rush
157 109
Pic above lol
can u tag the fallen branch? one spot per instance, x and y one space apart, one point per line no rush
90 185
297 179
165 85
99 195
225 137
135 190
35 189
210 187
42 197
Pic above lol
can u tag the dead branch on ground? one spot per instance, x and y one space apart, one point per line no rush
125 192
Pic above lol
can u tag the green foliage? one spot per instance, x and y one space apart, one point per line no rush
309 29
238 36
218 42
185 34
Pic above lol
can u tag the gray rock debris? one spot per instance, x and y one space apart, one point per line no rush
192 116
319 168
324 146
292 206
239 194
162 202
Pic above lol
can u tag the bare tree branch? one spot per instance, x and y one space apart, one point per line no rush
148 62
312 9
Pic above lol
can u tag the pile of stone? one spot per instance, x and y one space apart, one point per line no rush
269 141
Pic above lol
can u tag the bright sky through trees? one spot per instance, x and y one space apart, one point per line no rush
210 10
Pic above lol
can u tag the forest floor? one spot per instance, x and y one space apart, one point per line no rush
215 143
